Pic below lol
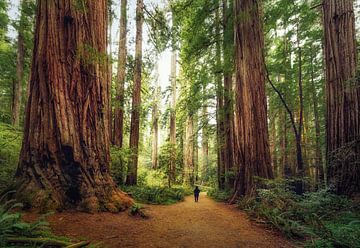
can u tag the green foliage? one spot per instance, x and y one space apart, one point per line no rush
325 219
137 209
157 195
10 145
119 159
219 195
13 228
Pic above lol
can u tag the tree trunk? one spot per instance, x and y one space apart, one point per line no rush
228 101
64 161
250 100
219 108
319 170
20 62
173 118
189 152
285 170
299 154
196 148
120 84
273 145
155 122
343 97
205 138
131 178
109 43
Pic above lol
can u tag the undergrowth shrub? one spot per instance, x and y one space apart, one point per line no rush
157 195
10 145
219 195
321 218
14 231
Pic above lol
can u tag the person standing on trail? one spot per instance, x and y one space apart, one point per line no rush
196 193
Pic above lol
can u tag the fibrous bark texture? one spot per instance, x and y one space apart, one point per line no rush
131 178
120 84
342 97
250 99
64 161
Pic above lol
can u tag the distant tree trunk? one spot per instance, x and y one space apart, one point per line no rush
343 97
155 122
285 169
189 152
299 154
219 108
173 118
319 170
120 84
273 145
205 138
64 160
131 178
20 62
196 148
228 98
250 100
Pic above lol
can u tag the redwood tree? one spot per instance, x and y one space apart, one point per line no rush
131 178
342 97
250 99
64 161
119 102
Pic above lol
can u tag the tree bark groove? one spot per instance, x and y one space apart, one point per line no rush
64 161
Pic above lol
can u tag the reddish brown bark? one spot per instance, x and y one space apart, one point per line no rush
342 97
120 84
64 161
131 178
228 122
250 98
220 133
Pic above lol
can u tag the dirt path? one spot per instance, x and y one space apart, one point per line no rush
186 224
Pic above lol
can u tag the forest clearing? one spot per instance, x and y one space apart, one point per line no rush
116 114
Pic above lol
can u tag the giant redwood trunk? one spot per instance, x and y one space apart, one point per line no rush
342 97
228 122
120 84
250 99
64 161
131 178
220 133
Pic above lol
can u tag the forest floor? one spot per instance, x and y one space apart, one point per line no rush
185 224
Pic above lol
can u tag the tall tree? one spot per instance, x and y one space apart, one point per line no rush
228 37
20 61
189 151
131 178
219 105
155 121
342 96
64 161
173 117
120 83
250 99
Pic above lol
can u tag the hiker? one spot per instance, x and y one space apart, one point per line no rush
196 193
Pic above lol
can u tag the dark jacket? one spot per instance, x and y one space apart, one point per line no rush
196 191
